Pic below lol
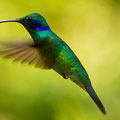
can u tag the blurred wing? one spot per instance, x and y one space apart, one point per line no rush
27 52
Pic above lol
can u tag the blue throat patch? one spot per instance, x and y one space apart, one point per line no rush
38 28
35 24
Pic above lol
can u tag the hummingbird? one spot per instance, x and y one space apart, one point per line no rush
48 51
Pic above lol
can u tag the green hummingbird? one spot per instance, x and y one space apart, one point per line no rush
49 51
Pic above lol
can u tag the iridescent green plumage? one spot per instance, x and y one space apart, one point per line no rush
49 52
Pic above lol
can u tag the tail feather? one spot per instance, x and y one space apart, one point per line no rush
94 96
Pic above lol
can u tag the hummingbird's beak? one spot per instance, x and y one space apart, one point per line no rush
12 20
95 98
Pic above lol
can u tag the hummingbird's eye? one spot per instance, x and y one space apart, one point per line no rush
27 19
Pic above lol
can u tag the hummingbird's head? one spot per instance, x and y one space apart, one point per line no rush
33 22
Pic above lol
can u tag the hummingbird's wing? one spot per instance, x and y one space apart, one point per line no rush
28 52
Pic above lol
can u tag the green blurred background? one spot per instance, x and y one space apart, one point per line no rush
92 29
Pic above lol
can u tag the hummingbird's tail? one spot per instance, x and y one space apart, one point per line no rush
89 89
94 96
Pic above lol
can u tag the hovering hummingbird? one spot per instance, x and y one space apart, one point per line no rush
48 51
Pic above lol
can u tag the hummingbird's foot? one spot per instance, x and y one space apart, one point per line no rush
64 76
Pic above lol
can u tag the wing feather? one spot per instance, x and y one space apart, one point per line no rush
27 52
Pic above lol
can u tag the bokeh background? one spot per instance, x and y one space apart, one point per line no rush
92 29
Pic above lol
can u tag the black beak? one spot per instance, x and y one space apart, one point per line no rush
12 20
95 98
